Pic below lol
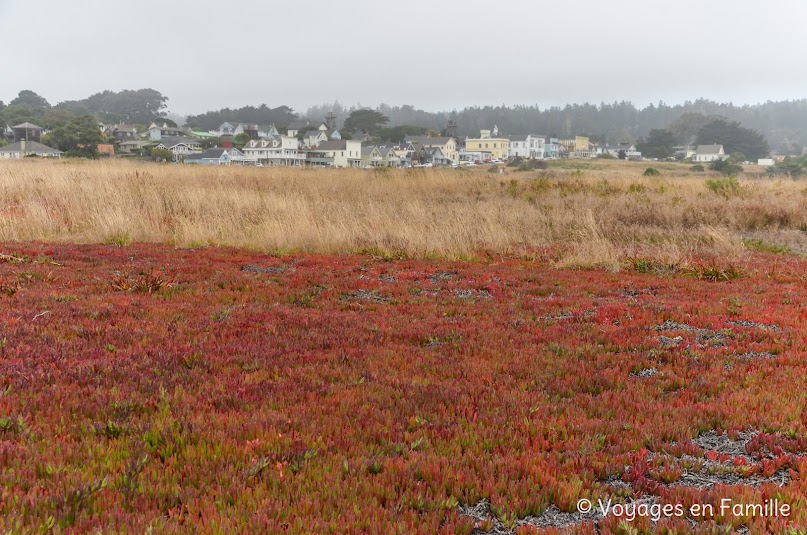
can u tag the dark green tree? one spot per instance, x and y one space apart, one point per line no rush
398 133
161 155
366 121
734 138
129 106
658 144
210 142
29 100
262 115
737 157
241 140
685 129
55 117
79 136
725 167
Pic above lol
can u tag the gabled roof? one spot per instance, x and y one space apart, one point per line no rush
428 141
30 147
518 137
209 154
28 126
708 149
135 143
165 127
174 141
621 146
335 144
313 133
368 150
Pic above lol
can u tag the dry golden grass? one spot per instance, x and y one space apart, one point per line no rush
587 213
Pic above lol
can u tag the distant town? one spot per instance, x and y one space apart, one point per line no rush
303 143
135 124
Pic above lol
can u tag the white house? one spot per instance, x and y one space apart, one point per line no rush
629 151
216 157
179 146
447 145
392 156
156 132
527 146
295 127
232 128
278 150
709 153
23 148
312 138
371 157
336 153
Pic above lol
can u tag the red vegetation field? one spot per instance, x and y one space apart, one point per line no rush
219 390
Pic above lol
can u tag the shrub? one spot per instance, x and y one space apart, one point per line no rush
605 156
515 162
651 171
725 186
493 169
726 167
532 165
698 168
162 155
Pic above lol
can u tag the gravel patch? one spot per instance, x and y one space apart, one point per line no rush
552 517
634 293
467 295
755 324
704 337
752 355
442 276
675 326
724 444
366 295
666 341
645 373
270 270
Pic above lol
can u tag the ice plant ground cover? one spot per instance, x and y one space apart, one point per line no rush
220 390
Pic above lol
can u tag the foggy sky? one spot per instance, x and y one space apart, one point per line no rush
436 55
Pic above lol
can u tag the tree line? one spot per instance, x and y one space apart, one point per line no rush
783 125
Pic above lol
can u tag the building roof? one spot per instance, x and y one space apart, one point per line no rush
173 141
708 149
135 143
312 133
368 150
31 147
428 141
518 137
28 126
166 127
335 144
209 154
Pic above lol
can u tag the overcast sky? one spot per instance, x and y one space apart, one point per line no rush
436 55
